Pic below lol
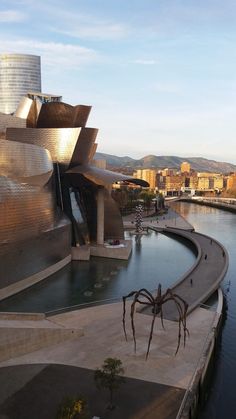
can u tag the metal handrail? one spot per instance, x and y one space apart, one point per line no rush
82 305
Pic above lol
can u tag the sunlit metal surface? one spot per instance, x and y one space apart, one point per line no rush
105 177
59 141
25 210
84 146
23 109
26 163
62 115
29 110
25 257
7 121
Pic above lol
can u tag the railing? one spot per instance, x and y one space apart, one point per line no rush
82 305
227 201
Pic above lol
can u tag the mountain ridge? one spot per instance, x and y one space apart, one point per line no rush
198 164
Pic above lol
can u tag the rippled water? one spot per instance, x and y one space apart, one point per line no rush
155 259
222 226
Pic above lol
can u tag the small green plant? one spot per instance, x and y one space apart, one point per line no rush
109 377
73 408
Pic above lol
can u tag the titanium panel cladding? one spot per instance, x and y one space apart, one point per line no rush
62 115
26 211
59 141
26 205
19 73
26 163
7 121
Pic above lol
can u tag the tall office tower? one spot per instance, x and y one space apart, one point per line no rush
19 73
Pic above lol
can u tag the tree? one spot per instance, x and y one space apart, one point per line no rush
73 408
108 377
147 198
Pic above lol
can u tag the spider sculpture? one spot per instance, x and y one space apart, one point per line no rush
144 297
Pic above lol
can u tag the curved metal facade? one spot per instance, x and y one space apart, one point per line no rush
26 205
48 190
59 141
19 73
25 163
62 115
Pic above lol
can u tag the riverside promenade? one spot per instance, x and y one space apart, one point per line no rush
33 382
205 276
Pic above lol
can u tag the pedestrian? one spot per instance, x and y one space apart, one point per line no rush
205 256
191 282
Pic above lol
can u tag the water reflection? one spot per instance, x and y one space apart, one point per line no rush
155 259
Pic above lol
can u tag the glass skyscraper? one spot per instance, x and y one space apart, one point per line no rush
19 73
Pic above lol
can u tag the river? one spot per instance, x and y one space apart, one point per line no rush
221 225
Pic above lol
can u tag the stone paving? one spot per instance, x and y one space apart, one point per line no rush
171 219
103 337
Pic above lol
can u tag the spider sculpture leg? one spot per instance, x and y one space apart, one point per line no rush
151 332
136 294
182 308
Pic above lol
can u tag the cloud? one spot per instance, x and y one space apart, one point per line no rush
81 25
9 16
54 54
144 62
96 30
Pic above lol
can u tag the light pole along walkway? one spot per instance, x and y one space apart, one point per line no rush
205 275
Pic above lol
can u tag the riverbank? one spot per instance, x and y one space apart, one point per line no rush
211 202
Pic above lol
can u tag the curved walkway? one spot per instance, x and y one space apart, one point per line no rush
205 275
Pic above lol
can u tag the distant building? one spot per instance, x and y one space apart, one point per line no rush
203 183
191 181
19 73
149 175
174 184
218 182
170 185
185 167
210 181
168 172
231 181
161 183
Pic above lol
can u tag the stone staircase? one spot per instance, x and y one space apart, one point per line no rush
23 333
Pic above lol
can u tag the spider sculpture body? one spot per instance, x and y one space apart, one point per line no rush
144 297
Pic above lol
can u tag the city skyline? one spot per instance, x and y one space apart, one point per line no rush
160 74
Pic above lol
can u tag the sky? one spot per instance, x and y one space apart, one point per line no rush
160 74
